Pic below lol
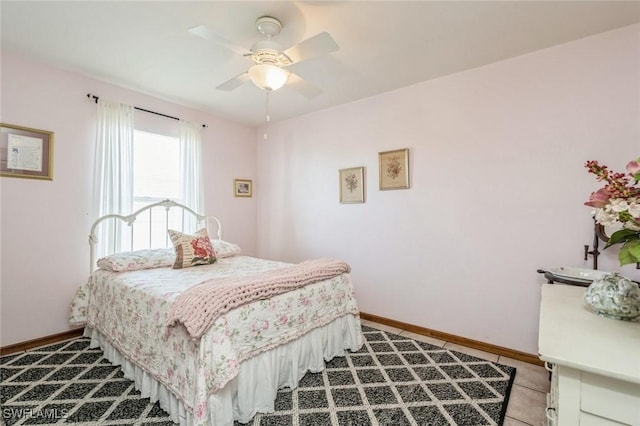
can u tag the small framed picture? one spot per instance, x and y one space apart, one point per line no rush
352 185
25 152
243 187
394 169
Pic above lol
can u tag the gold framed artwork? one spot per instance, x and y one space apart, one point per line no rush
242 187
394 169
352 185
26 152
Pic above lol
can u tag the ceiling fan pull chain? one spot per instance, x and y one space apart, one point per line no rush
266 115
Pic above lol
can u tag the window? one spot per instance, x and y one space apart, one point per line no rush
162 167
156 168
156 177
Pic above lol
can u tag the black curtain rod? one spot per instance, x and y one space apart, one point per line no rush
95 98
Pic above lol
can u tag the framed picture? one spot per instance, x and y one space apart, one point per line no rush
25 152
242 187
352 185
394 169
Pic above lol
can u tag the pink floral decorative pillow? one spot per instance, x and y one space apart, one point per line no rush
192 250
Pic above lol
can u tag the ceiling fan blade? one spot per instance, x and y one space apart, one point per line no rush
317 45
303 87
207 34
235 82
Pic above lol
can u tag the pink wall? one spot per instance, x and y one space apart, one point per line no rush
497 185
45 224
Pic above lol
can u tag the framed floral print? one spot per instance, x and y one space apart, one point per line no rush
394 169
352 185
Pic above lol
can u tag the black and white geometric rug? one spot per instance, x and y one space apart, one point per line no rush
71 383
392 380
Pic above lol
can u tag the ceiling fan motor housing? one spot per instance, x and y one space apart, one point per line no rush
268 51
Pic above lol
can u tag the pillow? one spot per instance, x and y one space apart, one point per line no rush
225 249
139 259
192 250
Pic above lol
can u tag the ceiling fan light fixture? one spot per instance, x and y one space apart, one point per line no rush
268 77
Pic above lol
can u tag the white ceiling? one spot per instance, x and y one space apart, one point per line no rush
384 45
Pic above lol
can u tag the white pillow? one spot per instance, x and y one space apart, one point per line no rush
225 249
158 258
136 260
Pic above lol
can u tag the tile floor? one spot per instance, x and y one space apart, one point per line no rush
528 394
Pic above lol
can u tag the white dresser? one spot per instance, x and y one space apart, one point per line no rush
595 362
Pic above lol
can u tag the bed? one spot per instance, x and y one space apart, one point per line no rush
230 366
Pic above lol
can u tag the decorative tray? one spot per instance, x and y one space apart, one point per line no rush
570 275
576 274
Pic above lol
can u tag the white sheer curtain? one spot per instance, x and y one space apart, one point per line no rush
113 172
191 176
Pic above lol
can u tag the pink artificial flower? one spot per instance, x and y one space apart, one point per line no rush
633 167
598 199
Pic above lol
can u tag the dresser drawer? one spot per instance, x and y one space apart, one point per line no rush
589 420
610 398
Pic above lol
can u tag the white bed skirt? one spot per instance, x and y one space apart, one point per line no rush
254 389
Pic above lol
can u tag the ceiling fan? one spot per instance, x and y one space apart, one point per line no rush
270 69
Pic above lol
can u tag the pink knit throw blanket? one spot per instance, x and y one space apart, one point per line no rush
199 306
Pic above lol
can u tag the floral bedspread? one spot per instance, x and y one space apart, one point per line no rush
131 308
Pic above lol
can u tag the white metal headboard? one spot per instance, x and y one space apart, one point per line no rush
201 221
